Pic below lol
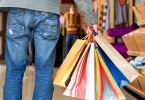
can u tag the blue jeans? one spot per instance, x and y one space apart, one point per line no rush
46 29
70 40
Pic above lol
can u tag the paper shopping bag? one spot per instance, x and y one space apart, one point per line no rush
106 87
69 62
82 84
78 72
119 78
129 72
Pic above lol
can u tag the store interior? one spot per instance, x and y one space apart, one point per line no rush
120 22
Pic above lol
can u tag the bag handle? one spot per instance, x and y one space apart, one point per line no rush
86 37
90 37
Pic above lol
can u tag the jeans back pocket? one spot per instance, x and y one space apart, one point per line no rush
15 31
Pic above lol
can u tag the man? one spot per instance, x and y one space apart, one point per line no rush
40 17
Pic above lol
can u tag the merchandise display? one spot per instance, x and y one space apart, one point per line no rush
139 64
135 42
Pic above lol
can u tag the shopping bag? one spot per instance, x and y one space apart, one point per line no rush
119 78
106 87
82 84
78 72
66 68
127 70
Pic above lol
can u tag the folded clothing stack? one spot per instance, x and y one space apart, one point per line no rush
139 64
140 59
135 64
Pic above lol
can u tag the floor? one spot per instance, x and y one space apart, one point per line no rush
28 85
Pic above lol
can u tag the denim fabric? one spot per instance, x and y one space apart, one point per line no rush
140 59
70 40
136 64
46 29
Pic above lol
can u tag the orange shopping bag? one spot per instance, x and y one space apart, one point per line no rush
66 68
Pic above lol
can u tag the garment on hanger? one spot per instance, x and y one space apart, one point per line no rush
105 15
101 18
121 12
121 2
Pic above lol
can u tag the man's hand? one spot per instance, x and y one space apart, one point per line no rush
95 28
92 28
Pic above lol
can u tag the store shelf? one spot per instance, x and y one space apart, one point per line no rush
132 53
140 23
140 93
138 86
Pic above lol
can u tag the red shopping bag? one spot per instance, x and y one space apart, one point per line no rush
82 84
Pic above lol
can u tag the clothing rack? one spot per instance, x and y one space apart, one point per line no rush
130 14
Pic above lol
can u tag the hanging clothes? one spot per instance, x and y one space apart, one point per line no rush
104 16
121 2
101 18
121 12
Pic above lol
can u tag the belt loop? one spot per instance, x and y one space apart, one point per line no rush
23 12
43 12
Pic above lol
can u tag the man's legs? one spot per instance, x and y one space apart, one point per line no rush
17 37
46 35
46 30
